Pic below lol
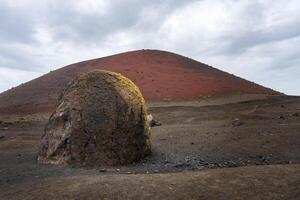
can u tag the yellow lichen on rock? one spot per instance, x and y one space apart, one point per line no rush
101 119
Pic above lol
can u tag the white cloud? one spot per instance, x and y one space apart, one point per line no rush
91 6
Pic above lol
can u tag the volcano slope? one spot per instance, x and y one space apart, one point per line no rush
159 75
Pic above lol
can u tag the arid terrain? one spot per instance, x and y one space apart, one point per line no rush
226 147
221 136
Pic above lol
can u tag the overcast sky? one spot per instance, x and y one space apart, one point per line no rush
256 39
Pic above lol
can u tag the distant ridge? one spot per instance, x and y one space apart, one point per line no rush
160 75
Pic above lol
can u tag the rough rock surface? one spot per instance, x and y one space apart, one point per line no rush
101 120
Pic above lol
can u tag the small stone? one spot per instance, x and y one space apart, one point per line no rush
152 121
118 170
103 170
295 115
211 165
156 171
281 117
237 122
2 137
6 124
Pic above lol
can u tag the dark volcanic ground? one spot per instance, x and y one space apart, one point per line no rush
259 140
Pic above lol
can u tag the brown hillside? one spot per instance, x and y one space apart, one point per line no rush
159 75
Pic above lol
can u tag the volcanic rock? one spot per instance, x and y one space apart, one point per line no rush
100 120
152 122
295 114
237 122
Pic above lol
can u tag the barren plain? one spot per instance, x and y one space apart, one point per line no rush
228 147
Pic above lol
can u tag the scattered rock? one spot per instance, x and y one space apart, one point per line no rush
281 117
261 157
211 165
100 120
295 114
2 137
103 170
237 122
6 124
166 161
183 165
155 123
152 121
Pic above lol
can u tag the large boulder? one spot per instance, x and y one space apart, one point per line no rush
101 120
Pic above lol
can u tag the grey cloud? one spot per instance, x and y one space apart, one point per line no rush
240 43
17 59
288 59
68 24
15 26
